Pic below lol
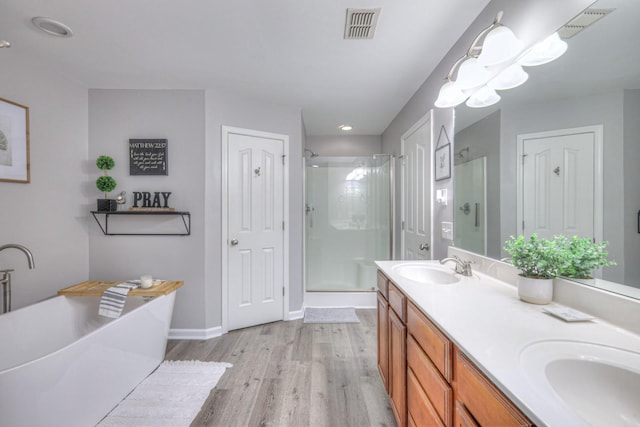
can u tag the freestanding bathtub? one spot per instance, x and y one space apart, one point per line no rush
61 364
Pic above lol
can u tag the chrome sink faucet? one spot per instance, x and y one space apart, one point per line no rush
462 267
5 275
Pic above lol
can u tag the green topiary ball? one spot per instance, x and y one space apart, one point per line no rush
106 184
105 163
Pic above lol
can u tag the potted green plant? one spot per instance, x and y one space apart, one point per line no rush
106 184
540 261
586 256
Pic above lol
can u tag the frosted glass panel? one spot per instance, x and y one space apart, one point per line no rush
347 222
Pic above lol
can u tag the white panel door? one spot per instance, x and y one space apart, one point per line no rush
416 192
558 185
255 230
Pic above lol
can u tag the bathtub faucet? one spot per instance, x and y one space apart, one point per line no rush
5 275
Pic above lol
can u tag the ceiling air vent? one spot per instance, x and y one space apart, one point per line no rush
582 21
361 23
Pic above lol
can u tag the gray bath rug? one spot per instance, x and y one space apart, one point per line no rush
330 315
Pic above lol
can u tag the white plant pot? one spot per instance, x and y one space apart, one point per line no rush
535 291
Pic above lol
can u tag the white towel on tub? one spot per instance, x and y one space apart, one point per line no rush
113 299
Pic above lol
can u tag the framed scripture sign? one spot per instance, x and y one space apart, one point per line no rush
148 157
14 142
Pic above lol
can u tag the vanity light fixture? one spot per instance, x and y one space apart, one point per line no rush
345 127
494 62
52 27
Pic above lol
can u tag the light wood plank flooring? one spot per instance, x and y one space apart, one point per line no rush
293 374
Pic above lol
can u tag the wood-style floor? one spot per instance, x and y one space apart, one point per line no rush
293 374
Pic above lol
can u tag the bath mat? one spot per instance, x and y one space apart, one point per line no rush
330 315
171 396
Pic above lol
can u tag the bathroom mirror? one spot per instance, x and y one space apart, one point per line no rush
595 83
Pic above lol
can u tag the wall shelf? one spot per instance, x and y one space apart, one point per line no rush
104 226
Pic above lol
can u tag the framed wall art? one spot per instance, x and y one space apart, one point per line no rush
148 157
14 142
442 157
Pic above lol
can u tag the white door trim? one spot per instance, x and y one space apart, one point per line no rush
598 185
427 118
225 131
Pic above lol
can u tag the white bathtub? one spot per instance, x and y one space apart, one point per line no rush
63 365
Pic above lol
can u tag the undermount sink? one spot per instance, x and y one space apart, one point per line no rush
426 273
600 384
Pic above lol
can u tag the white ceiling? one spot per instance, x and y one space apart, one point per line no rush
289 52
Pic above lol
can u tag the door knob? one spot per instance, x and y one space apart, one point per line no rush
424 247
234 242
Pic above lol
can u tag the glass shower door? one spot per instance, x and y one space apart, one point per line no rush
470 222
347 221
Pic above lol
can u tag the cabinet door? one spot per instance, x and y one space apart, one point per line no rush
486 404
398 368
383 340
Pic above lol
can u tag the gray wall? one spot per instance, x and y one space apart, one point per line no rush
483 139
49 215
631 183
565 114
191 121
531 20
345 145
179 116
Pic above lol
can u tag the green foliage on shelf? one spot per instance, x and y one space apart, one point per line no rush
105 163
105 183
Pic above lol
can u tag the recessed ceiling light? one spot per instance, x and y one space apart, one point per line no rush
52 27
4 43
345 127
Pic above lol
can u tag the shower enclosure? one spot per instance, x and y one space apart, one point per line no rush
347 221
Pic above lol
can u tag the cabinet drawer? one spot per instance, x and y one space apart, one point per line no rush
398 302
434 343
420 410
487 405
436 388
383 284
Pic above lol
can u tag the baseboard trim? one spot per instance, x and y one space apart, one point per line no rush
295 315
195 334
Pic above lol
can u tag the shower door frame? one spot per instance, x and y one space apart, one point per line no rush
355 298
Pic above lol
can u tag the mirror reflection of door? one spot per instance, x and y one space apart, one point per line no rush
416 192
560 190
470 205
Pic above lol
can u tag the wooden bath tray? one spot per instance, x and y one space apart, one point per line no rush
95 289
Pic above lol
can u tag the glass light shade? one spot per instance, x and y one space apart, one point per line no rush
500 45
510 77
450 96
546 51
471 74
484 97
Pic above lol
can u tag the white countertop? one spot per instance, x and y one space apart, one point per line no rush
485 318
